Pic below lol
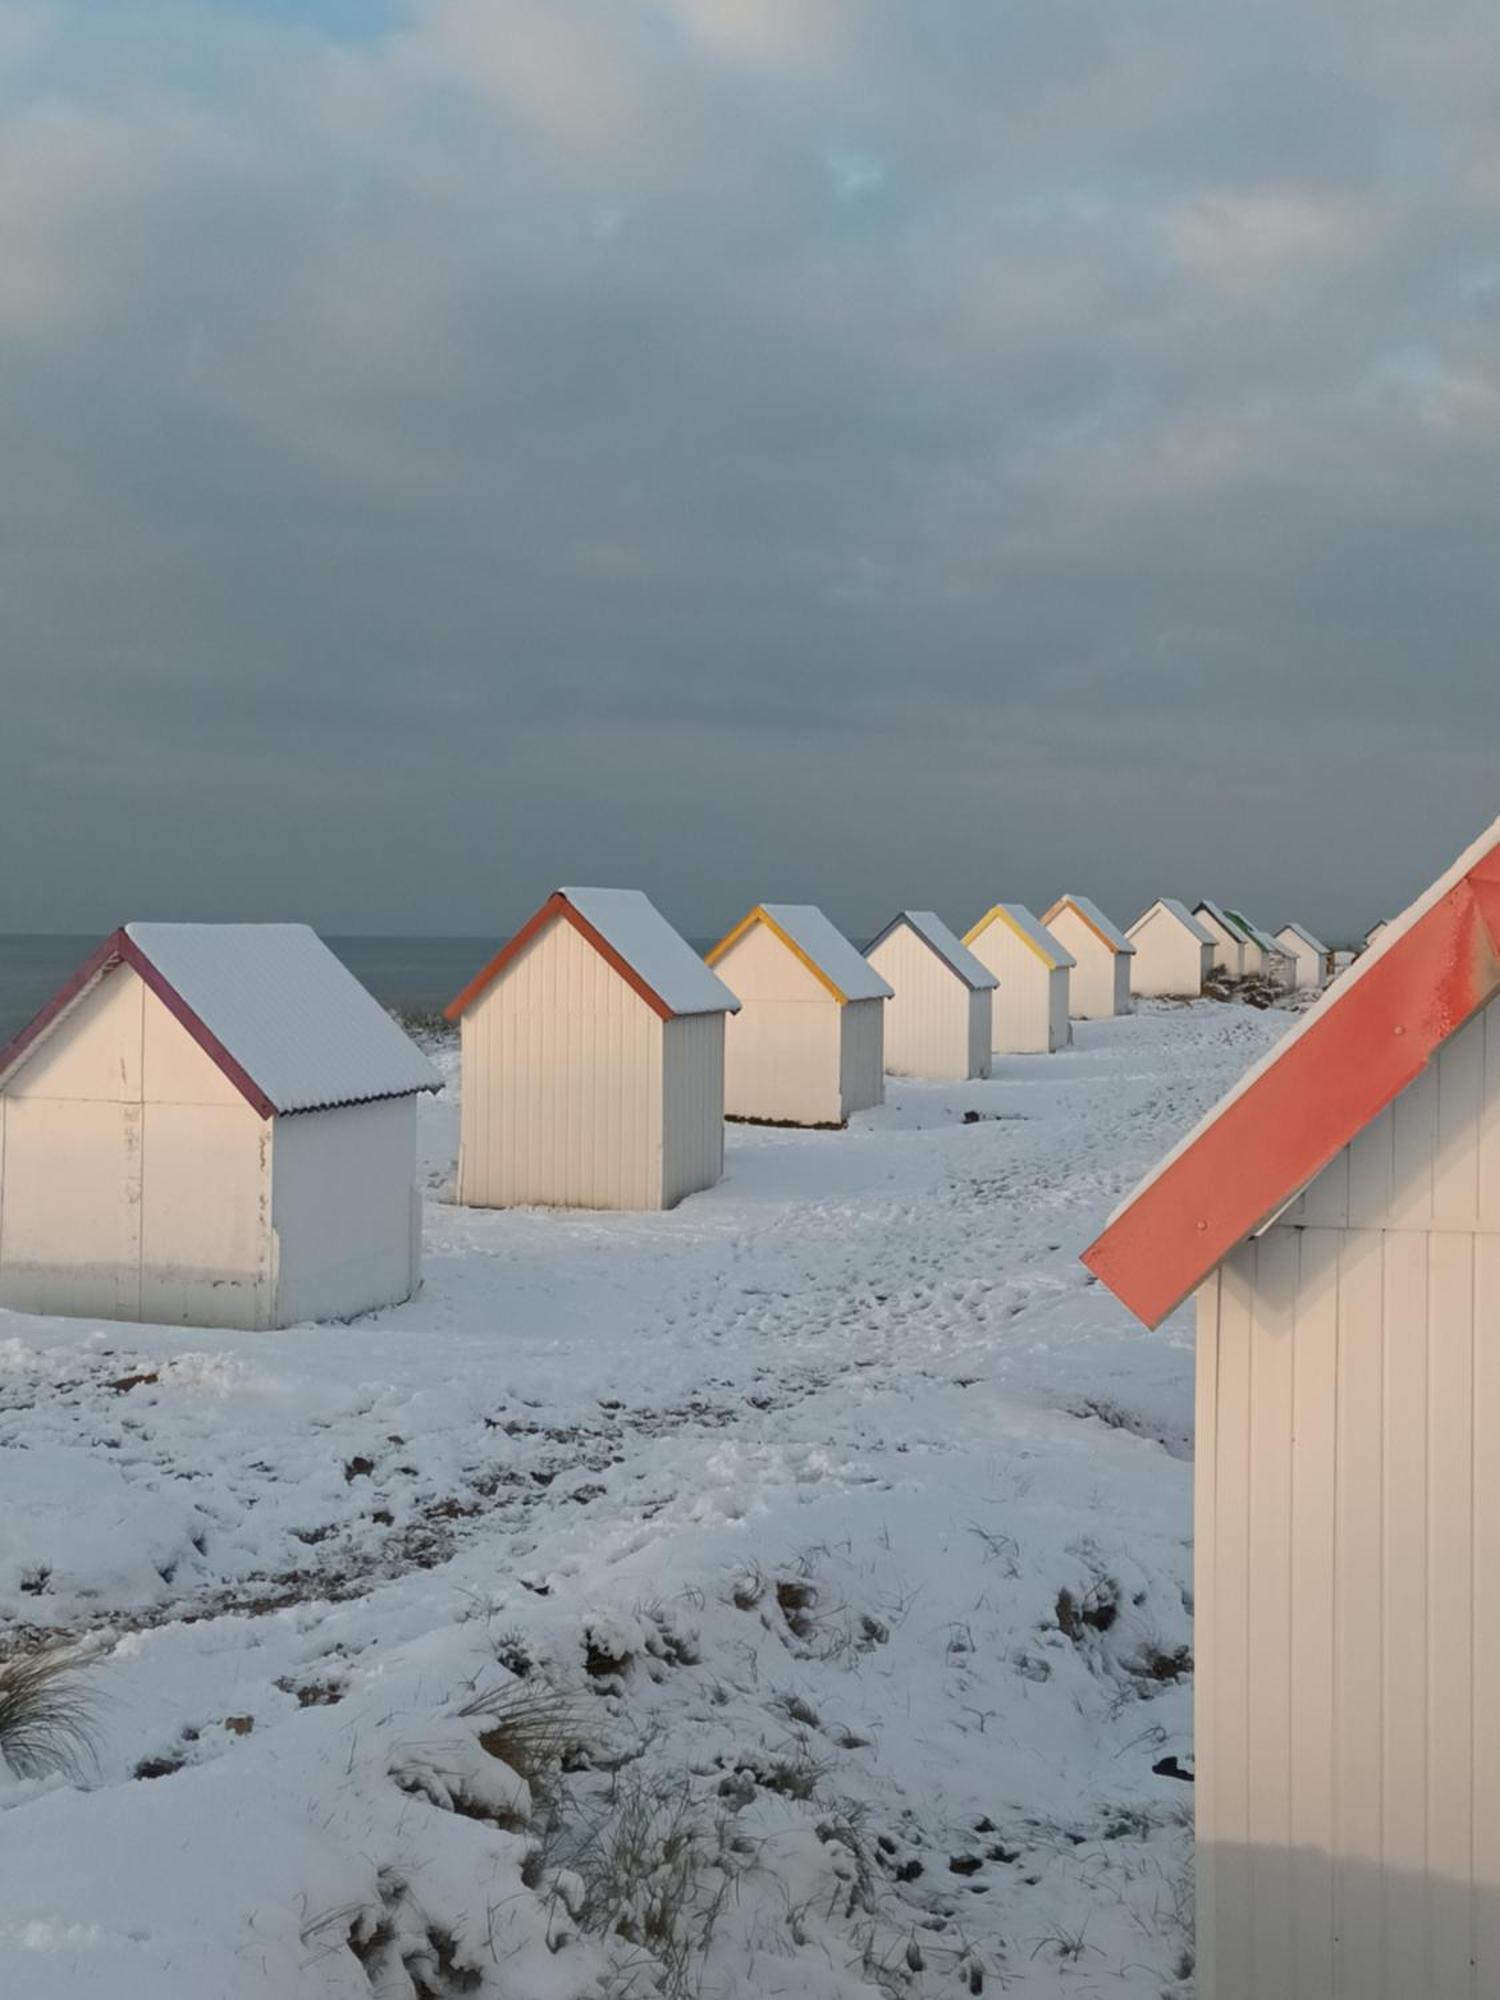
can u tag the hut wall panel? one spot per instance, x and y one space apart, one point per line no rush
93 1054
981 1030
345 1222
783 1052
862 1056
562 1085
1098 991
1029 1014
693 1105
205 1249
927 1024
1168 961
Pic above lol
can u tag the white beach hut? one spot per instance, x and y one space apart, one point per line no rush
1264 957
1229 940
1099 987
1309 957
808 1046
938 1022
1174 953
1031 1002
593 1061
1380 924
1338 1217
210 1125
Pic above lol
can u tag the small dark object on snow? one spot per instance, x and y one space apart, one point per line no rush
1169 1767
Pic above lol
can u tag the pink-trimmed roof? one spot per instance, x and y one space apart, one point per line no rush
1374 1031
288 1024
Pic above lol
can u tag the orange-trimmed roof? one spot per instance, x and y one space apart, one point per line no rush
632 936
824 950
1089 913
1375 1029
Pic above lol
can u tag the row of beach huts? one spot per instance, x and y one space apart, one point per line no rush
214 1124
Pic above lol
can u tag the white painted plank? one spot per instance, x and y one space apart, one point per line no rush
1414 1149
1460 1089
1231 1976
1205 1635
1489 1121
1326 1202
1370 1168
1486 1601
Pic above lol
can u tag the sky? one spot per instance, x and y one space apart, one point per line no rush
877 454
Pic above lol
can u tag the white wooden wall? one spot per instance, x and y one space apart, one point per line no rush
1229 952
347 1217
929 1025
1100 985
1348 1568
982 1030
135 1181
693 1106
861 1056
562 1085
1029 1014
1169 962
783 1051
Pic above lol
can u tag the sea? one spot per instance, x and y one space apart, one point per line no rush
414 976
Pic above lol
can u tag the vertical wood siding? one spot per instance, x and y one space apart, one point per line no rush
1094 993
693 1105
928 1025
562 1085
783 1051
1348 1569
1168 961
981 1030
1029 1011
862 1056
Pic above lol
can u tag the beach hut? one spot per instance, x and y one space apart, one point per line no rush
808 1047
593 1061
210 1125
1374 931
939 1020
1174 953
1264 958
1229 940
1309 957
1031 1002
1099 986
1338 1216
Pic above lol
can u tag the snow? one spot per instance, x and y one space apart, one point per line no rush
1029 927
630 923
936 935
1092 915
845 1517
295 1020
828 950
1295 932
1183 915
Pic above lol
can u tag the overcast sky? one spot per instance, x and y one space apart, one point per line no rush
872 453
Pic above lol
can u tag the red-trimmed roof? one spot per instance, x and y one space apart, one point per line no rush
1374 1031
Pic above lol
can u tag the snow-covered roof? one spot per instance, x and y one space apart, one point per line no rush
935 934
1084 906
1220 917
1336 1069
290 1025
823 949
1301 935
1029 929
626 927
1255 935
1183 915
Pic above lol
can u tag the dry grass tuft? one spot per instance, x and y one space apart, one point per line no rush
46 1715
533 1728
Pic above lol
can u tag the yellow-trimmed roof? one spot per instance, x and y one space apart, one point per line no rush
825 951
1029 929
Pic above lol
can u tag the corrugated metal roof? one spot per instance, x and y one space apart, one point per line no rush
827 951
1030 929
934 933
1092 915
1255 934
1183 915
630 923
1221 918
294 1019
1300 931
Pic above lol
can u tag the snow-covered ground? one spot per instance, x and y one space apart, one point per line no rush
833 1530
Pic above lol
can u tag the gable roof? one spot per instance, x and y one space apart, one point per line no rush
286 1022
1183 916
1373 1031
825 951
1029 929
1254 934
628 931
1107 933
936 935
1303 936
1220 917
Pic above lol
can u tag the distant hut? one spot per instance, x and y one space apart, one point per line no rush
1264 957
593 1061
939 1021
1310 958
1100 985
1229 939
1174 953
808 1047
1338 1217
210 1125
1380 924
1033 968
